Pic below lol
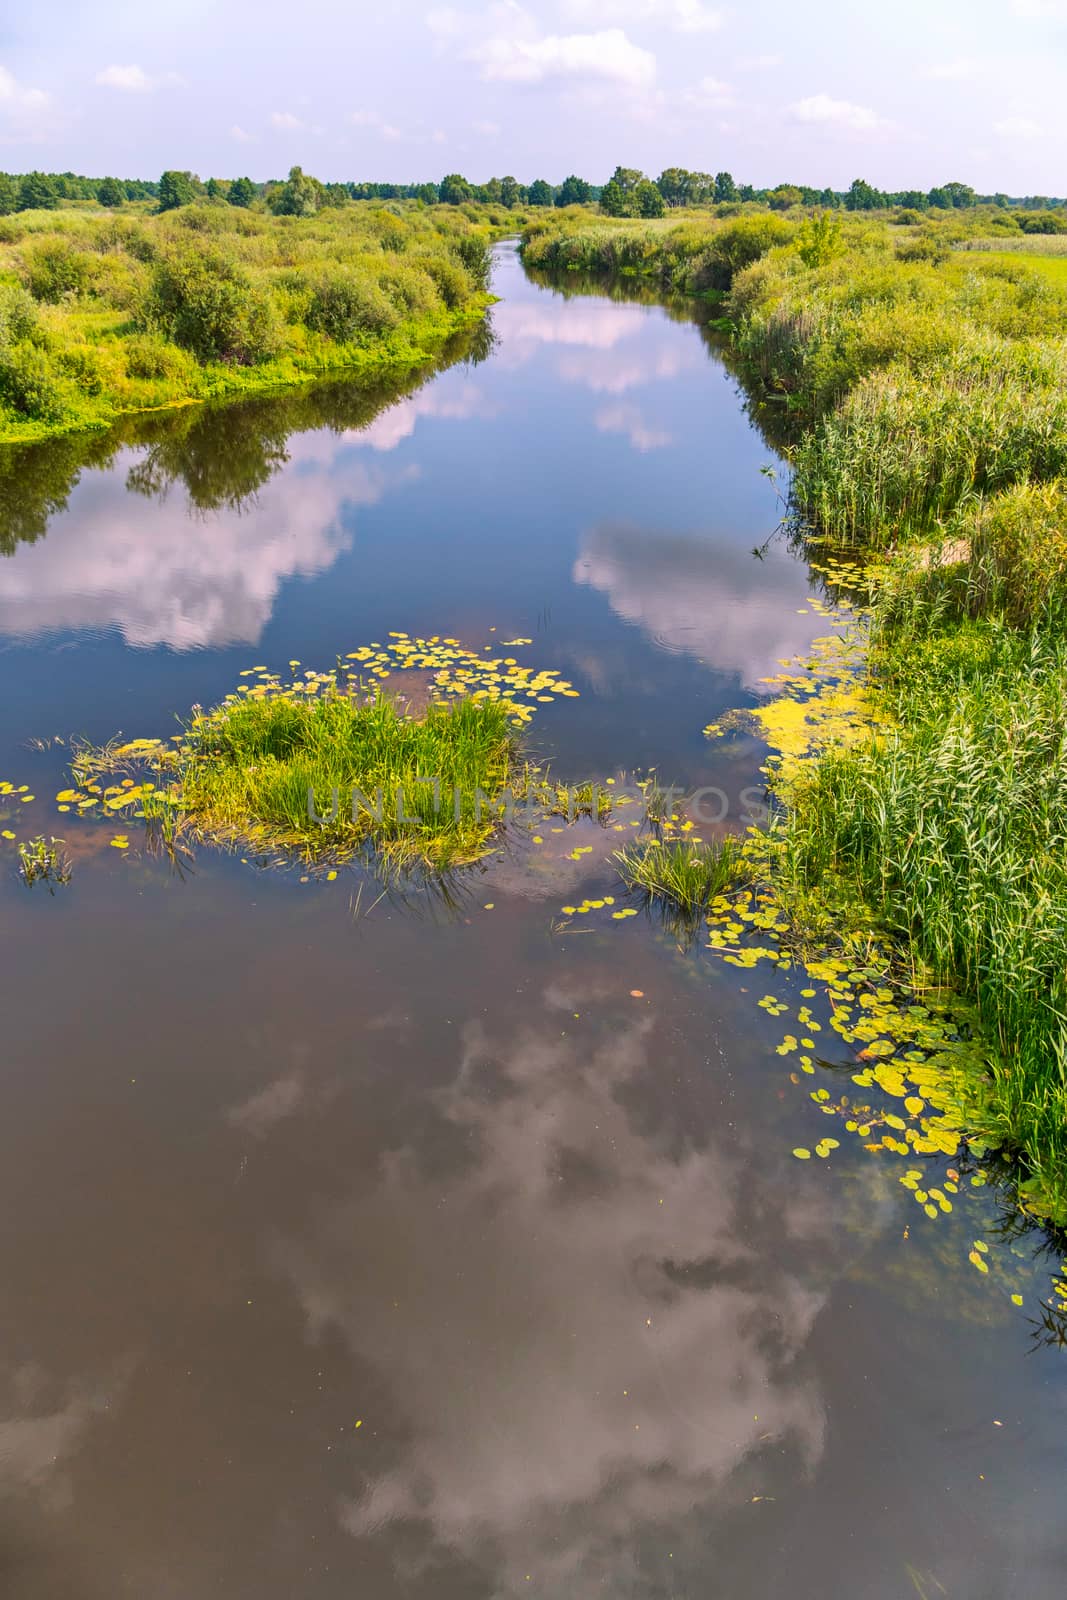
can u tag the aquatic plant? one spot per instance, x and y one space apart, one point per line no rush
327 763
42 860
682 874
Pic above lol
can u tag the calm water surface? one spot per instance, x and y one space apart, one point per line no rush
412 1254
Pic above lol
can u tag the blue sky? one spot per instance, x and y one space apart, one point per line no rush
910 93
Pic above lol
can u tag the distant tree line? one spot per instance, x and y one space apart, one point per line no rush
628 192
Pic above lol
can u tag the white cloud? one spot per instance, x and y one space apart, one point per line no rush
133 79
1017 128
389 130
445 22
645 1395
821 108
608 54
198 581
1040 10
285 119
15 98
762 63
951 71
627 419
241 134
709 94
488 130
685 16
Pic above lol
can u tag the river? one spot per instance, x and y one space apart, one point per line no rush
415 1249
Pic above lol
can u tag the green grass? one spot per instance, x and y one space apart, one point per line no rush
682 876
253 771
42 860
923 391
103 315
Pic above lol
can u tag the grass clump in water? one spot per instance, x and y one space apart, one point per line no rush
682 875
330 773
42 860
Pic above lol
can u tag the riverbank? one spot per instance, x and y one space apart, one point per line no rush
104 316
923 391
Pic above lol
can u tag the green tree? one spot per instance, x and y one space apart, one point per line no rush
940 199
510 192
299 196
861 197
613 202
647 200
786 195
214 189
455 189
675 185
242 192
38 192
960 195
110 192
627 179
540 193
725 187
9 195
574 191
427 193
176 189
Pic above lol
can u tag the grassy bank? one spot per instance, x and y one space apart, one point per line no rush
101 315
924 388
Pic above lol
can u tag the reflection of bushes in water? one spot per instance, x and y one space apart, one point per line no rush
36 481
222 453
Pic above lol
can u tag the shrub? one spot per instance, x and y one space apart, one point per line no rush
737 245
208 304
148 355
344 306
452 281
28 384
55 269
1042 221
18 315
927 246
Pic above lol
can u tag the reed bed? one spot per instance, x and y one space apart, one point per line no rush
923 390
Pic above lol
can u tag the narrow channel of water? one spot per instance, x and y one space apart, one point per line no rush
437 1252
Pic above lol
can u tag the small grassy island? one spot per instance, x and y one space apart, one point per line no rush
317 768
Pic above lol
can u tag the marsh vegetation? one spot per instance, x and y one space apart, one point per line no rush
102 314
923 388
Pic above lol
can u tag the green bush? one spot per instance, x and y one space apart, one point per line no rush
28 385
18 315
55 269
344 307
148 355
207 303
926 246
739 243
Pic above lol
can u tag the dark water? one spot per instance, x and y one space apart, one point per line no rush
271 1169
